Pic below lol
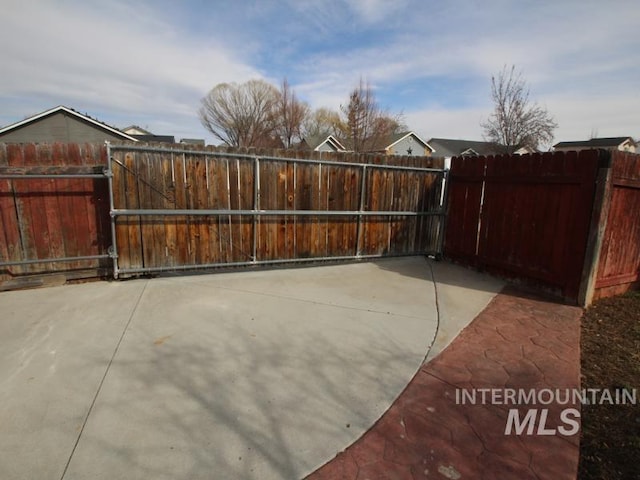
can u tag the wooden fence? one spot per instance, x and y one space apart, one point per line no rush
183 209
616 229
55 204
526 217
42 217
567 222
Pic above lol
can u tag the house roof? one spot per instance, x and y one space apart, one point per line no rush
140 129
155 138
70 111
401 136
607 142
315 141
448 147
193 141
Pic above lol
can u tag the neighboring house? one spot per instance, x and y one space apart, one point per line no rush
61 124
143 135
327 143
192 141
406 143
624 144
449 148
155 138
525 151
136 130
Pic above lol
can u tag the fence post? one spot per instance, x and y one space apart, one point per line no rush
113 250
256 207
599 217
363 185
444 187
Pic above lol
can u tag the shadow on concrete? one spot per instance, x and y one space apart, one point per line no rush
216 399
250 375
443 272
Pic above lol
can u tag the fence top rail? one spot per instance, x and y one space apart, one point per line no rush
246 156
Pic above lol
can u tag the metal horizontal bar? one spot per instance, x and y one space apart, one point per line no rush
53 260
142 148
355 164
242 156
118 212
265 262
53 176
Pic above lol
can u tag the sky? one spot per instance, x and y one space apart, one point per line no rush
149 63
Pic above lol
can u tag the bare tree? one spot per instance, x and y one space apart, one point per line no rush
515 121
290 115
367 125
241 115
323 122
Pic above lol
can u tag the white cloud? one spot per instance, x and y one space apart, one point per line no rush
376 11
326 91
124 60
574 56
609 115
459 123
140 62
578 118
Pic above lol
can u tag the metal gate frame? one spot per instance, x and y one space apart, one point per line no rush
256 212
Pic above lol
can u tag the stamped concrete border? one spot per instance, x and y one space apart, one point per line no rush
519 341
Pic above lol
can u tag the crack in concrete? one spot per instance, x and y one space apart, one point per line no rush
95 397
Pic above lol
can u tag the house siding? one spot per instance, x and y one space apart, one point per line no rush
325 147
627 147
623 144
403 146
623 147
58 127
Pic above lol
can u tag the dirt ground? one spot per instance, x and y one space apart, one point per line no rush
610 346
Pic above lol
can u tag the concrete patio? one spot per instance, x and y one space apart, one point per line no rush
260 374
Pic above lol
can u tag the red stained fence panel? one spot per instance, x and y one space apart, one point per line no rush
466 182
526 217
53 218
618 267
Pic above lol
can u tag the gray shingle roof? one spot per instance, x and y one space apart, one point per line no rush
72 112
605 142
314 142
448 147
155 138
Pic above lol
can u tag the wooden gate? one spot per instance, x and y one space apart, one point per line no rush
176 209
525 216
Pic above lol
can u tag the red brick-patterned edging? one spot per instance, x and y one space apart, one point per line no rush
519 341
